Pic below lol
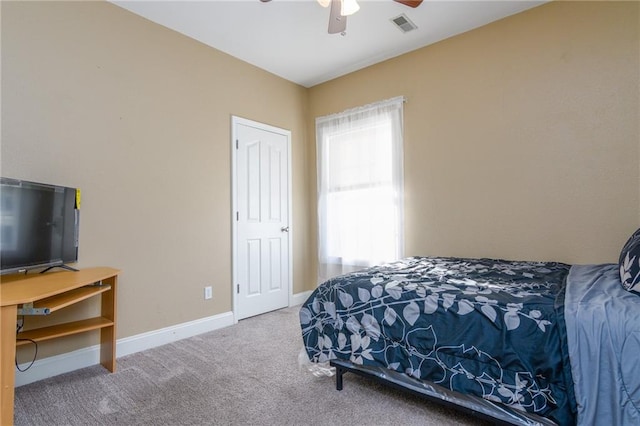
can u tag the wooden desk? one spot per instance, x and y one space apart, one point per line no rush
53 291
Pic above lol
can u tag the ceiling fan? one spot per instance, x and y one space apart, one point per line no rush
340 9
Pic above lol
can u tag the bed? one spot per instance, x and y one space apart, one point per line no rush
513 342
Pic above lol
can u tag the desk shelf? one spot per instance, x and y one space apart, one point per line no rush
70 297
61 330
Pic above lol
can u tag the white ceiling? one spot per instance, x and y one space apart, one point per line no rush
289 37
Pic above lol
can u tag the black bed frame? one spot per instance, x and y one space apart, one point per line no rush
343 366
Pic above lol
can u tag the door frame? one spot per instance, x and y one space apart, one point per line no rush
235 121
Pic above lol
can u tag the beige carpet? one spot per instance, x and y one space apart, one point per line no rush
246 374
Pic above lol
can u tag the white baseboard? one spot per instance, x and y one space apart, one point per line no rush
85 357
300 298
151 339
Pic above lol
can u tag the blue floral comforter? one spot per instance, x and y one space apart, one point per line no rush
491 328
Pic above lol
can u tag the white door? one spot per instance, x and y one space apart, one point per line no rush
262 237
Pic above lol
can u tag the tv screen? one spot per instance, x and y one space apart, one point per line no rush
38 225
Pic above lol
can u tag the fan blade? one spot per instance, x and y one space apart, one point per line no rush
337 22
410 3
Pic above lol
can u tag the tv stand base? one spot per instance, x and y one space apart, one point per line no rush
68 268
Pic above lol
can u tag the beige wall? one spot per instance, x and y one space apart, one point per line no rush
139 117
521 141
521 137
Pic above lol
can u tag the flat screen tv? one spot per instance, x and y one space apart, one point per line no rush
38 225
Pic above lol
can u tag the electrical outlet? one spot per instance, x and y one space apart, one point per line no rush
208 292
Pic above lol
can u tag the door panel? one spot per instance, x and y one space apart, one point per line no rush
253 267
262 200
275 180
275 258
253 190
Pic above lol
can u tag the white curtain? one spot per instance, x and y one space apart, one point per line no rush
360 187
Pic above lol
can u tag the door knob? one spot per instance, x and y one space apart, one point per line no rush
284 229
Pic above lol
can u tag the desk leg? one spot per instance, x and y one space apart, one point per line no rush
7 362
108 334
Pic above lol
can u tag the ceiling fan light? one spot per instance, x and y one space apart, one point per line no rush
324 3
349 7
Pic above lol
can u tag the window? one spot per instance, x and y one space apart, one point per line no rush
360 187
